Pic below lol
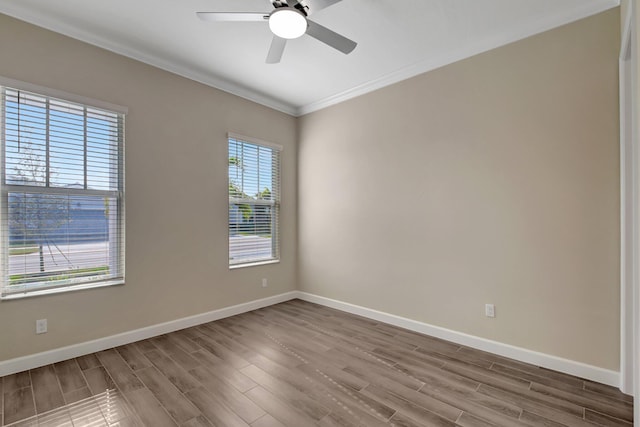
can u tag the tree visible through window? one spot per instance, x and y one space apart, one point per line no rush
254 201
62 194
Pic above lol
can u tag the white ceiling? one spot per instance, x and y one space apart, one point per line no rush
396 40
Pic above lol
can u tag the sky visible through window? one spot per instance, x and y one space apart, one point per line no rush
253 202
250 168
63 188
66 128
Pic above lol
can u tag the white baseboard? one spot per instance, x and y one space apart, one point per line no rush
20 364
560 364
571 367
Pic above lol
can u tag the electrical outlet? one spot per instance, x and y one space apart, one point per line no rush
264 283
490 310
41 326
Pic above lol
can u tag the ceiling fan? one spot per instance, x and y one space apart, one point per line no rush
289 20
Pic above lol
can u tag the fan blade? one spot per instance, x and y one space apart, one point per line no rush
316 5
276 50
330 38
233 16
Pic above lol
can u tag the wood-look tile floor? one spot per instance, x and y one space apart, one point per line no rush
298 364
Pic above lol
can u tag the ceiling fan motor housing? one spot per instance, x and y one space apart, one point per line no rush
287 23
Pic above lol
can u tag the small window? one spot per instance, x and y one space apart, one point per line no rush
254 201
62 216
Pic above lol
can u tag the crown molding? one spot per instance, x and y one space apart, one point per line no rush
517 32
47 22
513 34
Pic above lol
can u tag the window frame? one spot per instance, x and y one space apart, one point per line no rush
35 289
277 150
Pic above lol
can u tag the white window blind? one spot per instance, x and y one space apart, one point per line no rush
254 201
62 201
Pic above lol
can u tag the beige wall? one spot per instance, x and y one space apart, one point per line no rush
176 192
494 179
491 180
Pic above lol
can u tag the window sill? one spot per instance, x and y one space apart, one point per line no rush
51 291
253 264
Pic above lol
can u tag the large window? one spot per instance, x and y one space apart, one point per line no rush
62 212
254 201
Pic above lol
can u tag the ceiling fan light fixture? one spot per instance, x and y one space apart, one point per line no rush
287 23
